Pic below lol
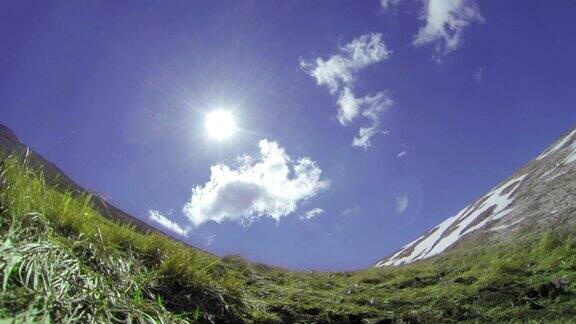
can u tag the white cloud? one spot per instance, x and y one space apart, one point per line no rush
405 150
170 225
210 239
374 105
338 73
445 23
478 75
339 70
387 3
370 106
270 185
348 106
312 213
352 211
402 203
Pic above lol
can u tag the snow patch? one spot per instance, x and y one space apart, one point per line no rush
557 146
547 173
505 226
570 158
460 224
572 155
554 176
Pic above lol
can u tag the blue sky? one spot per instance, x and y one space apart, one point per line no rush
116 95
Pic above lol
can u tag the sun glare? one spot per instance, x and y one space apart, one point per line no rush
220 124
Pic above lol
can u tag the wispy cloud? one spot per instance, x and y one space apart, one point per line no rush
352 211
445 21
210 239
402 203
338 74
339 70
269 185
405 150
478 75
312 213
167 223
388 3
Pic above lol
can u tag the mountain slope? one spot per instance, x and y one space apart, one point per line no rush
542 193
10 145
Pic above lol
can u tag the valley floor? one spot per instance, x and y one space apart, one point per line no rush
60 261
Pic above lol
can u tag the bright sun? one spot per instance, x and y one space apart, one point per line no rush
220 124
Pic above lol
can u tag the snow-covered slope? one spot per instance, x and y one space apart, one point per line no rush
542 192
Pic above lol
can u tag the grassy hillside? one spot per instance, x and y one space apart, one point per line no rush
62 261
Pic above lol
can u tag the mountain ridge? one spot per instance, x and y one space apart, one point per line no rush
10 144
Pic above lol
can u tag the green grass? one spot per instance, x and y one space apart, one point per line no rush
62 261
153 266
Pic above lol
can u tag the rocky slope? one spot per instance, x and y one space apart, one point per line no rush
9 144
541 194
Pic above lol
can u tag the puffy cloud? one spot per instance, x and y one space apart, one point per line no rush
338 73
312 213
445 23
270 185
165 222
402 203
348 106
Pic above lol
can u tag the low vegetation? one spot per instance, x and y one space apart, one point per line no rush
61 261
